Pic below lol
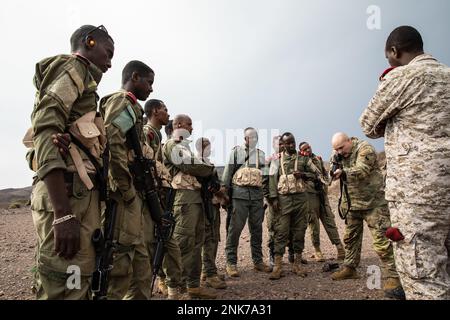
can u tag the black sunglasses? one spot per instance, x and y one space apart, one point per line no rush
102 28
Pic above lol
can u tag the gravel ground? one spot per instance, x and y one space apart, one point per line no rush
17 242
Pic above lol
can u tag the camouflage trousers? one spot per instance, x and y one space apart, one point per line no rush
53 273
270 223
321 212
242 210
209 250
190 236
292 220
422 258
131 274
378 221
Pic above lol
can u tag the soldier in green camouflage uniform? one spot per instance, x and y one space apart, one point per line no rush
288 197
169 278
319 206
184 168
212 223
366 192
246 175
65 203
131 274
411 111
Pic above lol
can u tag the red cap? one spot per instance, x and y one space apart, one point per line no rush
394 234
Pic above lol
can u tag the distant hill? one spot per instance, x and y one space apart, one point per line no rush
9 195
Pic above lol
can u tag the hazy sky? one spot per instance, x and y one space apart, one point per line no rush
308 67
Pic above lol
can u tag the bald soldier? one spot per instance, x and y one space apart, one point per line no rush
411 110
365 185
66 197
189 231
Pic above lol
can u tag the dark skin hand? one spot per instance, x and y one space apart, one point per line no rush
62 141
67 233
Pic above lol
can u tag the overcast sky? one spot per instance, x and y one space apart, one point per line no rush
308 67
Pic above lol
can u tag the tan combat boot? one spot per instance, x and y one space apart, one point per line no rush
297 267
261 267
393 289
232 270
345 273
215 282
201 293
318 255
277 269
162 288
172 294
340 252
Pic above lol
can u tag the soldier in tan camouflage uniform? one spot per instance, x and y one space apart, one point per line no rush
319 206
366 192
169 279
184 169
131 274
65 199
411 109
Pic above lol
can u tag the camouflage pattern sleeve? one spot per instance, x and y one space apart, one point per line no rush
365 163
181 157
117 122
51 113
388 100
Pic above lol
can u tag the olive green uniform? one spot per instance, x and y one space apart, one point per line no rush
172 266
131 274
294 207
366 191
66 90
188 208
247 203
319 207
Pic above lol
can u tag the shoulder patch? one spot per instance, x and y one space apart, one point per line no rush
125 120
65 89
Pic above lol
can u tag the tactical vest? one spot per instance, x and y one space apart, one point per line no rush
248 177
288 183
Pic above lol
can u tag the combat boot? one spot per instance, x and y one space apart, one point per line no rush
340 252
232 270
261 266
318 255
162 288
277 269
297 267
215 282
393 289
201 293
172 294
345 273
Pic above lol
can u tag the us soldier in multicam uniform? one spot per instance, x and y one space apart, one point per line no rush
289 200
189 231
366 192
130 276
65 199
245 175
169 279
319 206
411 109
